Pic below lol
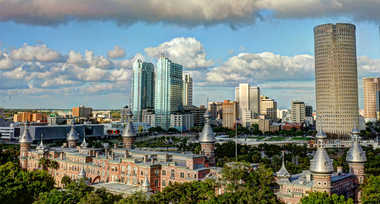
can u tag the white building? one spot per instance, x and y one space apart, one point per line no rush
182 121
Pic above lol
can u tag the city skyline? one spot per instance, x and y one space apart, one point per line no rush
86 61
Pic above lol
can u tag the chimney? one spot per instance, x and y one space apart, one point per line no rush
339 170
96 154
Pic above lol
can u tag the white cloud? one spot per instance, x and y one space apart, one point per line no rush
5 61
368 66
264 66
97 61
188 52
18 73
75 58
117 52
36 53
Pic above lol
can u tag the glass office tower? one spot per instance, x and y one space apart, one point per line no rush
142 88
168 91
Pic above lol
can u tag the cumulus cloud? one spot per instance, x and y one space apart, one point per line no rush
368 66
36 53
264 66
188 52
5 61
117 52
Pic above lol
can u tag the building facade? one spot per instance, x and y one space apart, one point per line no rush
82 112
182 121
336 83
371 98
268 107
124 167
308 111
230 113
321 176
142 88
168 91
248 98
298 111
187 90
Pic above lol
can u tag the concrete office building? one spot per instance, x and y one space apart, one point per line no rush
82 112
230 113
248 98
142 88
216 110
371 98
298 111
268 107
187 90
336 83
308 111
168 91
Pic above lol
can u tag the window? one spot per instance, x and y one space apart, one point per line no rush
164 172
156 183
182 175
172 173
163 183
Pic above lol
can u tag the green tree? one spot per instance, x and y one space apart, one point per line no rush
318 197
66 180
371 190
138 197
21 186
189 192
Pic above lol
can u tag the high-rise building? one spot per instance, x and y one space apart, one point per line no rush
371 98
142 88
298 111
168 91
230 113
82 112
216 110
248 98
187 90
336 78
308 111
268 107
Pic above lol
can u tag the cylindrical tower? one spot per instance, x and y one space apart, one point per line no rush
129 133
72 138
25 141
336 82
321 166
207 141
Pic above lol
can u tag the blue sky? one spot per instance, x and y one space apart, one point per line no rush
212 43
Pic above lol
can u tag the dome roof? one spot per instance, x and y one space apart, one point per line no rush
321 163
146 184
84 143
41 146
82 173
356 153
73 135
207 135
26 137
283 173
321 134
129 130
355 130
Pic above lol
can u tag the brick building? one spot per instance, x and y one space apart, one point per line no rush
321 176
121 167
